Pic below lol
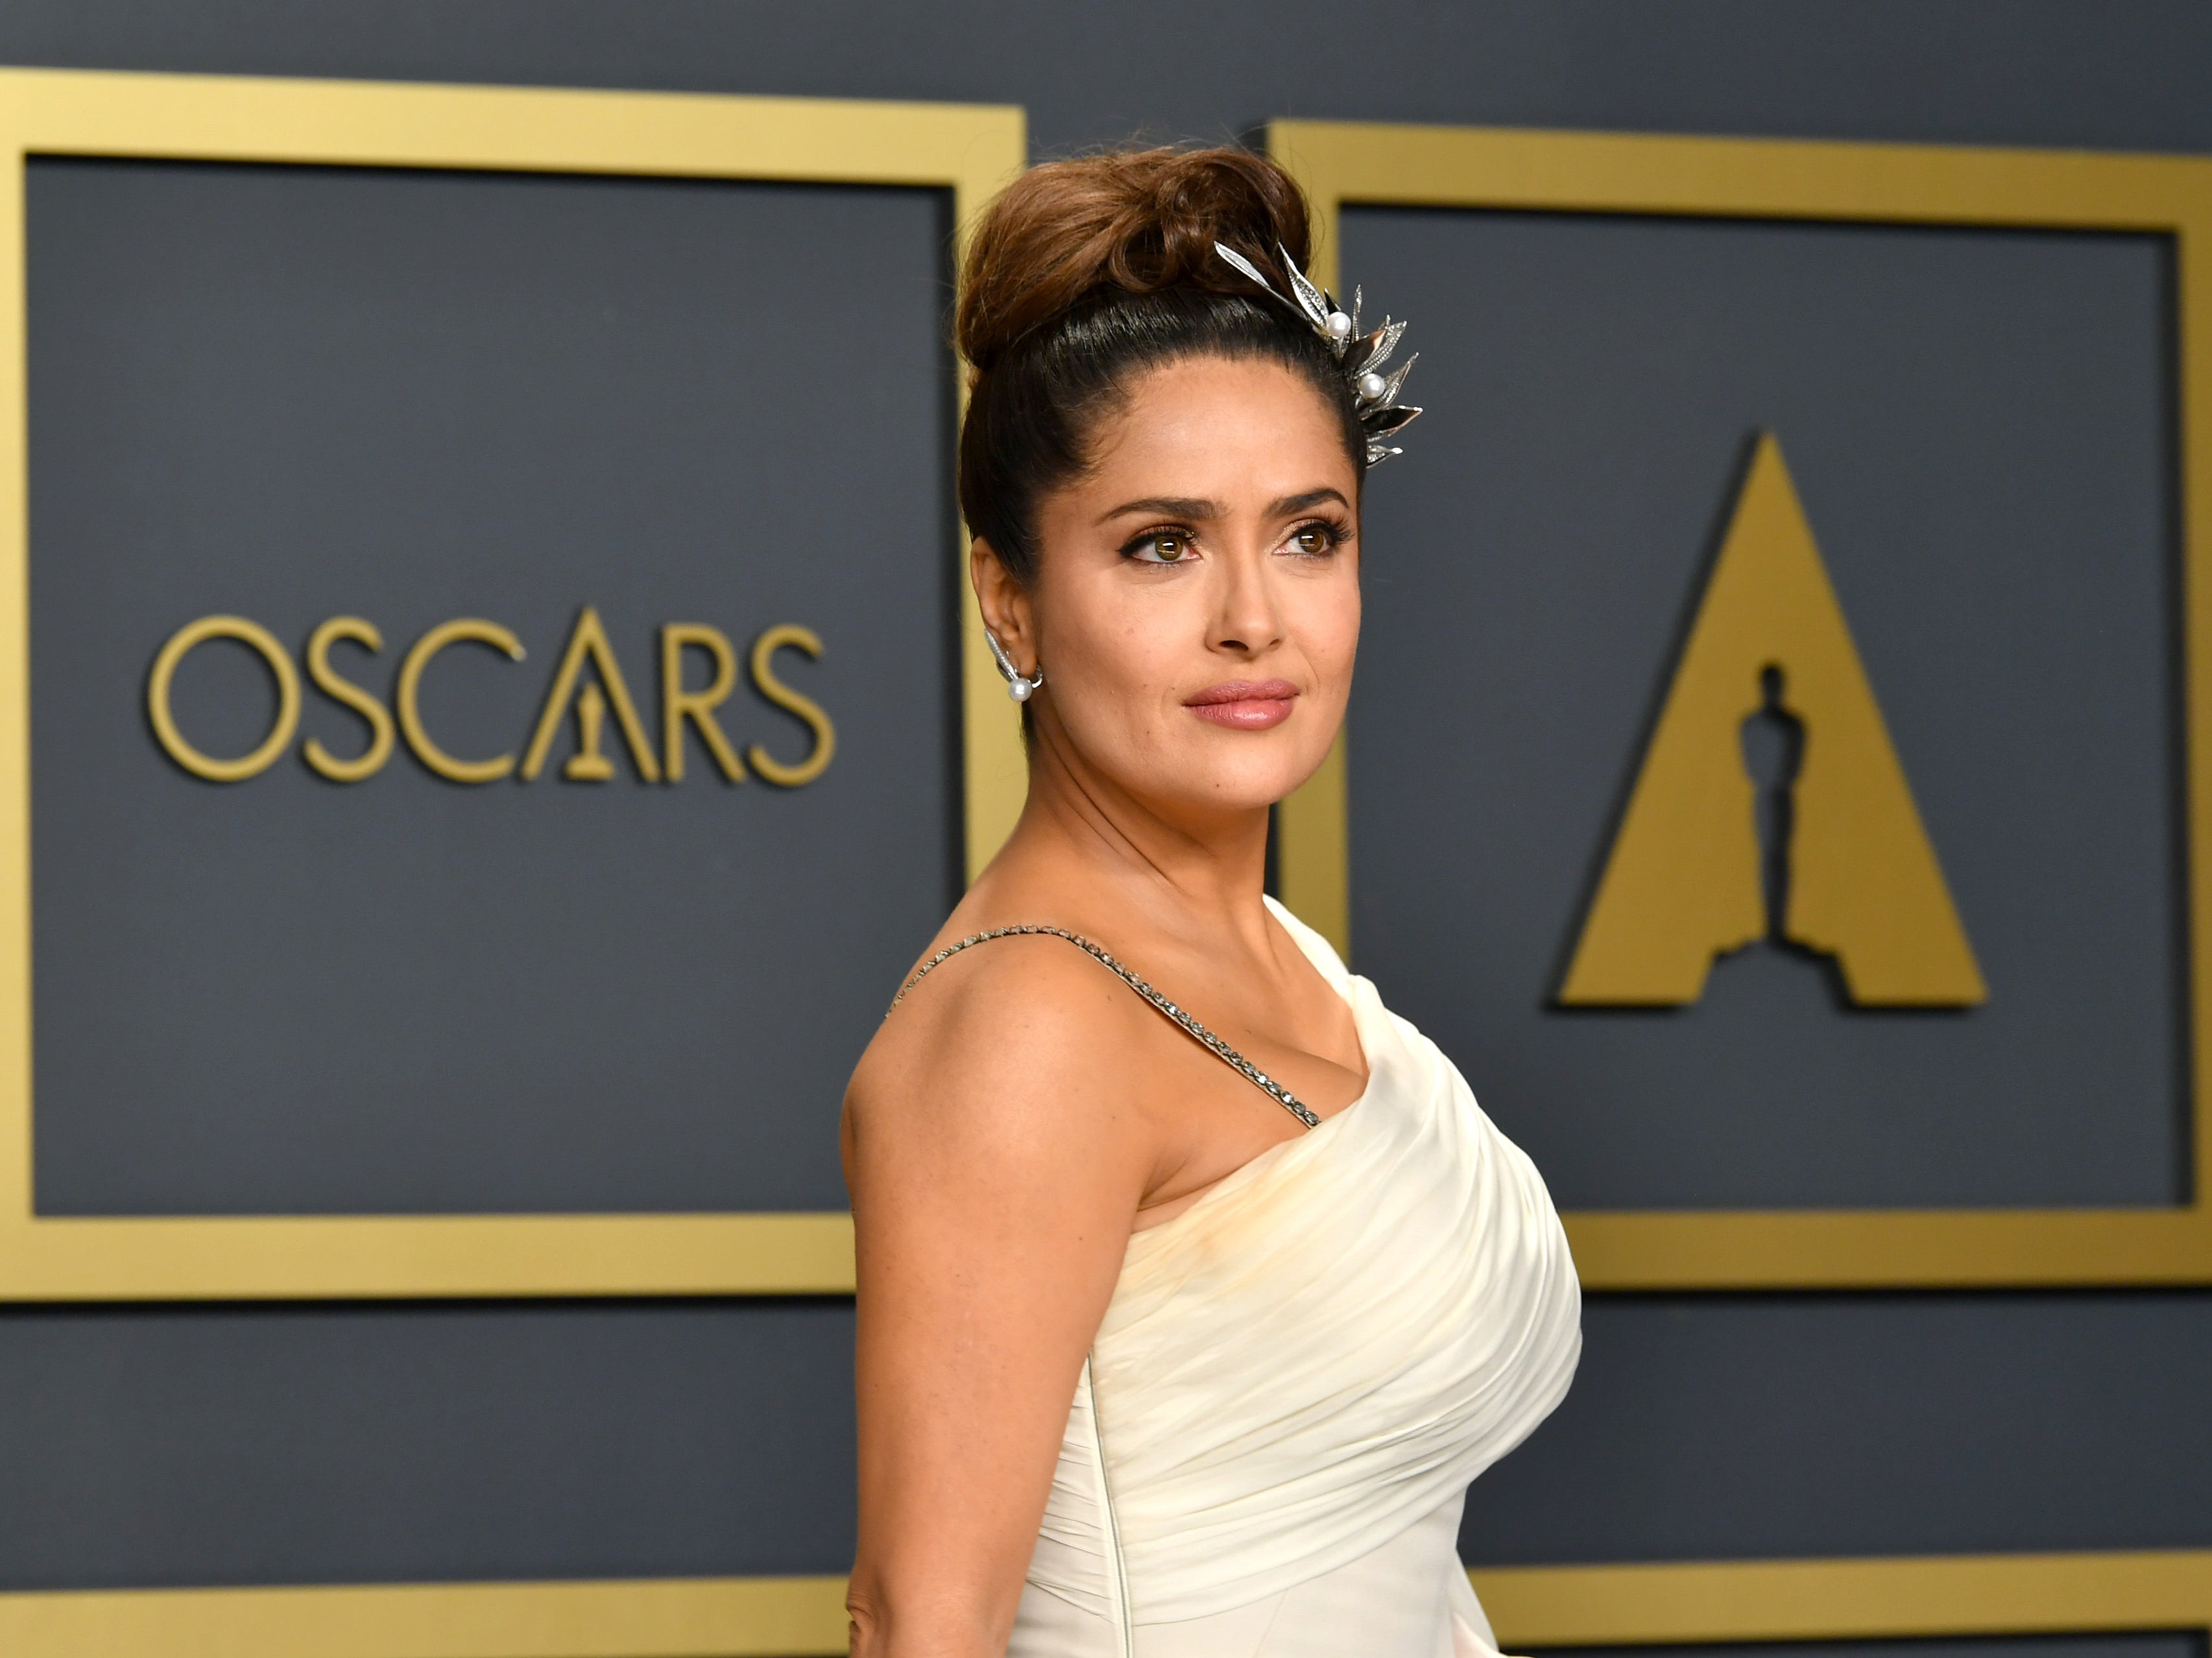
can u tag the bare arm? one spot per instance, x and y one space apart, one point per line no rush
996 1162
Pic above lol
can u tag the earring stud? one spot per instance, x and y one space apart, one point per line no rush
1018 686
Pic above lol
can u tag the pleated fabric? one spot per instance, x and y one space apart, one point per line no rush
1298 1375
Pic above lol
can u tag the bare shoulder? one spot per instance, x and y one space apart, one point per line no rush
1021 1047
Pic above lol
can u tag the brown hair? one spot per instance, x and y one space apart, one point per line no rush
1086 272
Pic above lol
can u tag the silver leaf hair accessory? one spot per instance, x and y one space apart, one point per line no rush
1360 356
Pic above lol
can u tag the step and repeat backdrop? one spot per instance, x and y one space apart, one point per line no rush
487 712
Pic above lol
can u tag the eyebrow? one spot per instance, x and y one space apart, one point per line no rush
1289 504
1166 507
1190 507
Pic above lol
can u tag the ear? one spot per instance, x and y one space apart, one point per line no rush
1006 603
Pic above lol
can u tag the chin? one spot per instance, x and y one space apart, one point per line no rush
1251 782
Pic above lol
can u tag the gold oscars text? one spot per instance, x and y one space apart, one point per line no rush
590 700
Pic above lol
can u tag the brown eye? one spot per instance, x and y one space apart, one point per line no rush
1314 538
1162 547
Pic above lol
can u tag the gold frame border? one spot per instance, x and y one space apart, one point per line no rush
970 150
1716 1603
1341 163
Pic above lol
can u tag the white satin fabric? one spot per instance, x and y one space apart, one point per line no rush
1297 1378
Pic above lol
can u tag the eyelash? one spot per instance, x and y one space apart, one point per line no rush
1337 532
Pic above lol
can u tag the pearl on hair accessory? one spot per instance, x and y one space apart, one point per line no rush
1360 356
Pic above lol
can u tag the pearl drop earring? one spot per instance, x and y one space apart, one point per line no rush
1019 687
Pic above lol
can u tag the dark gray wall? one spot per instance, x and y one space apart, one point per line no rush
377 1444
2164 1645
1722 1426
1735 1427
2072 72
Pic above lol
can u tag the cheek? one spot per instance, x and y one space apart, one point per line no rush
1326 618
1114 643
1139 649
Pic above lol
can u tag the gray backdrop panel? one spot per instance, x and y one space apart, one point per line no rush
1752 1427
2070 72
292 393
313 1445
2169 1645
1978 424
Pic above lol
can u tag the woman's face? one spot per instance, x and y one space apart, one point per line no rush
1196 606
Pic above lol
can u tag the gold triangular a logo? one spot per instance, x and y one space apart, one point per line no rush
1682 882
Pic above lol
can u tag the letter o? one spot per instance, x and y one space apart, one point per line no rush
165 723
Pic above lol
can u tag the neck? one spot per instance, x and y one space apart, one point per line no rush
1187 872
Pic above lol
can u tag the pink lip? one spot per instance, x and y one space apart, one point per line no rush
1244 705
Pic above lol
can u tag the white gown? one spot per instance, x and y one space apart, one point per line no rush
1297 1378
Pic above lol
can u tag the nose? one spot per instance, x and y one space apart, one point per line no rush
1247 620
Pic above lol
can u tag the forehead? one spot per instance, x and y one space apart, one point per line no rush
1221 427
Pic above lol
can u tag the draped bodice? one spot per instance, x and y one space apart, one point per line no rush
1298 1374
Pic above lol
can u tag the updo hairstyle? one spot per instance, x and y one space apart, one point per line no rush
1085 273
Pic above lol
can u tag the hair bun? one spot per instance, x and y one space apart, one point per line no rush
1134 220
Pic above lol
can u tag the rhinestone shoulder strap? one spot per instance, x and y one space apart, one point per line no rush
1197 1032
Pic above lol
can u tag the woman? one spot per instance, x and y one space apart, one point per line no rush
1161 1357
